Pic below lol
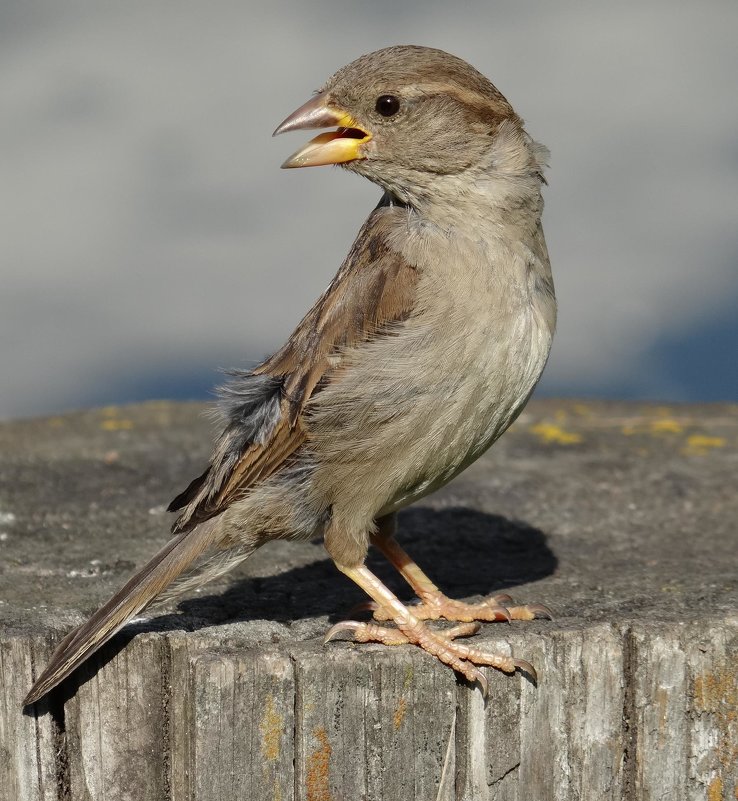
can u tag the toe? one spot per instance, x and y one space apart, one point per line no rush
367 632
462 630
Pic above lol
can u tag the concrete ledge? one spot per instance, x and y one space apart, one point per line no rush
621 517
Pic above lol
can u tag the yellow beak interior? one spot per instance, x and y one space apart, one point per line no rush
331 147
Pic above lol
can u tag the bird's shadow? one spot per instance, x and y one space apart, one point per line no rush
465 552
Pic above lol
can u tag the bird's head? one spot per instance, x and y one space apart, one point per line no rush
404 117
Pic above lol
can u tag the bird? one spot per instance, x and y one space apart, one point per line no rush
422 351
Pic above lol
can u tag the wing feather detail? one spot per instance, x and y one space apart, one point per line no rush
262 411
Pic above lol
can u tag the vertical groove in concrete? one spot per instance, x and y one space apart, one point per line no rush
61 751
630 729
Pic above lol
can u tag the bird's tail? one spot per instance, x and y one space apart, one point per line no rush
177 556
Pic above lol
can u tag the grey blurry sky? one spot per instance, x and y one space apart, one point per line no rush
149 236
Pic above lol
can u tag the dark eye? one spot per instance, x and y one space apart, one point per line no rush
387 105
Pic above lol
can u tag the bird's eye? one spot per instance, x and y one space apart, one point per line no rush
387 105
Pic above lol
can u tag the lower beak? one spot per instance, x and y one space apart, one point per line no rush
331 147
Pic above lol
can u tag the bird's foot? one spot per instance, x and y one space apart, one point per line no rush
434 605
442 644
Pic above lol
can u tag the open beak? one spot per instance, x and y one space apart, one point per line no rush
331 147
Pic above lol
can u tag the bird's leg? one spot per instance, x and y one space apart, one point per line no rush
434 605
442 645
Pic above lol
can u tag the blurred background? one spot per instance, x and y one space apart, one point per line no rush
150 238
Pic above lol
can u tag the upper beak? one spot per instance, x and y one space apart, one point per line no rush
332 147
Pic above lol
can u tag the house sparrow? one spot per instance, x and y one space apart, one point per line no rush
422 351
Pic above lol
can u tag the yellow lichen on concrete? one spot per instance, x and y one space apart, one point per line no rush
716 693
551 433
317 782
699 445
271 727
666 425
116 425
399 715
662 425
401 708
715 790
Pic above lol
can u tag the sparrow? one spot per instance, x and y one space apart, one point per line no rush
420 353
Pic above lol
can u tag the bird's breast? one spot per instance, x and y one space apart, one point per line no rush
411 410
494 324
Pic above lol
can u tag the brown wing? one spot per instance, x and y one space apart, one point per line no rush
261 410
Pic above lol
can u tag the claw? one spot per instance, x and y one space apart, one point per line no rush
503 599
344 625
530 612
541 610
501 612
498 604
481 680
525 667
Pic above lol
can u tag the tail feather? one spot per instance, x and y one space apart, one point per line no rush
169 563
210 569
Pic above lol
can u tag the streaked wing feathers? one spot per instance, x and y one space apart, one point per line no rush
261 410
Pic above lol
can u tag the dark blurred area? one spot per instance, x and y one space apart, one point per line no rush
150 238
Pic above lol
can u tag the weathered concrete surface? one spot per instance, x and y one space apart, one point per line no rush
621 517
